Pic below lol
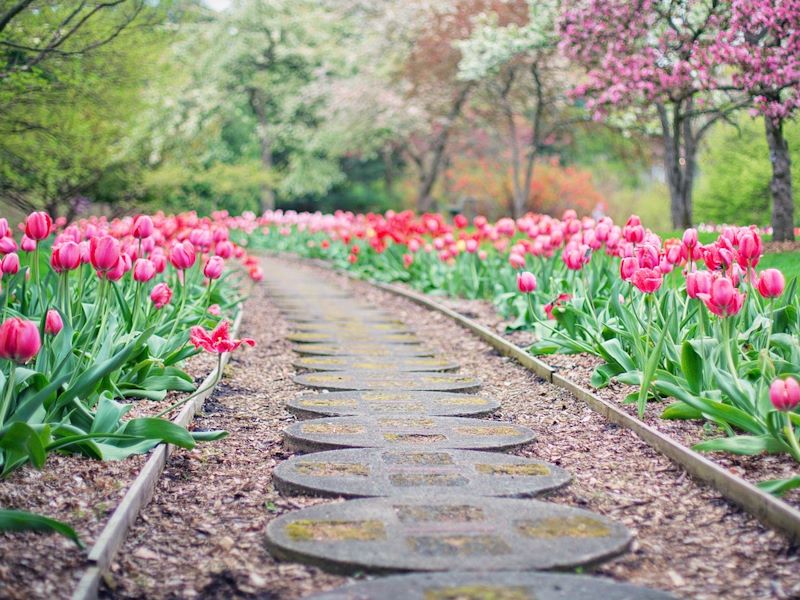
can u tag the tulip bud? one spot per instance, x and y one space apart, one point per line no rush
628 267
517 261
214 267
785 394
142 227
771 283
27 244
7 244
53 322
38 225
690 238
10 264
526 282
224 248
143 270
19 340
182 255
104 253
161 295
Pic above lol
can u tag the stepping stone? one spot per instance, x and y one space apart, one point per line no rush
361 349
439 533
401 432
329 327
373 363
508 585
350 316
373 337
371 403
360 380
380 472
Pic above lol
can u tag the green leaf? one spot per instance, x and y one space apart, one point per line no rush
680 411
22 443
18 520
209 436
778 487
692 366
742 444
614 352
159 429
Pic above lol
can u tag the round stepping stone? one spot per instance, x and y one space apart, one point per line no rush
361 349
401 432
508 585
361 380
374 363
381 472
374 337
371 403
440 533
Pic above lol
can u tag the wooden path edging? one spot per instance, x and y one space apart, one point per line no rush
139 493
765 507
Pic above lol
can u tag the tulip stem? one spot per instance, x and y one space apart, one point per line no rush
197 392
790 435
10 383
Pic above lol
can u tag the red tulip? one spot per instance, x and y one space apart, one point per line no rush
182 255
771 283
53 322
214 267
460 221
143 270
161 295
218 340
647 280
38 225
142 227
785 394
104 253
526 282
19 340
10 264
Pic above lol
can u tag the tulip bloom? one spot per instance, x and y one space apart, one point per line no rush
142 227
770 284
38 225
698 282
217 341
785 394
7 244
690 238
143 270
27 244
214 267
182 255
19 340
526 282
10 264
104 253
628 267
65 257
161 295
53 322
647 280
723 299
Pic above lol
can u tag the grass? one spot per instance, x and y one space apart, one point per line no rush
788 262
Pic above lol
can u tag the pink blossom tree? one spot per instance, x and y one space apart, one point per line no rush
762 43
651 61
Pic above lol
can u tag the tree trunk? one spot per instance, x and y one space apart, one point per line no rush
255 95
781 184
680 151
430 169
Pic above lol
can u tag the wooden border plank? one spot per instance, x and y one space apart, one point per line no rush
139 494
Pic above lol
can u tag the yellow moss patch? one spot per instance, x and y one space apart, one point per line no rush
306 530
332 428
487 430
529 470
555 527
320 469
478 592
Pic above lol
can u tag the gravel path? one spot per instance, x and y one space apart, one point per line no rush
203 534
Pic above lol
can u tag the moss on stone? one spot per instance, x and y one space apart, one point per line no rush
478 592
307 530
555 527
527 470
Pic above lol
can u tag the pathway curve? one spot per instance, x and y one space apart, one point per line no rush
436 507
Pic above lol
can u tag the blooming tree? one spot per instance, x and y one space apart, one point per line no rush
762 43
654 58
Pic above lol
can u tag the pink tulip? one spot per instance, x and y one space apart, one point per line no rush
215 310
698 282
182 255
785 394
214 267
472 246
142 227
647 280
65 257
10 264
161 295
7 244
517 261
38 225
159 260
750 249
408 260
690 238
27 244
143 270
771 283
526 282
104 253
19 340
628 267
53 322
224 248
4 228
724 299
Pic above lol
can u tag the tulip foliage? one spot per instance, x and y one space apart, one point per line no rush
97 314
697 327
